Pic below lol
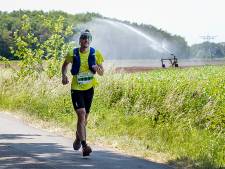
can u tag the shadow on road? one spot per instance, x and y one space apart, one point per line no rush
52 155
17 136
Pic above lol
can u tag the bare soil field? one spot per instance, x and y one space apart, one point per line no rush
134 69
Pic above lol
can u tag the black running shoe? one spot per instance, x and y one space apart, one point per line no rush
86 150
76 144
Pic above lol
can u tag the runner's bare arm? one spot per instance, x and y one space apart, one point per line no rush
99 69
64 71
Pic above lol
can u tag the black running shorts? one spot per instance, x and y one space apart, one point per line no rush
82 99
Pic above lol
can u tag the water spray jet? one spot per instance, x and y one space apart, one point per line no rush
123 44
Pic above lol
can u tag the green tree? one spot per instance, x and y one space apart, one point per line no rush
55 46
35 55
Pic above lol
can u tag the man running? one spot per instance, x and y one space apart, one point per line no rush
86 62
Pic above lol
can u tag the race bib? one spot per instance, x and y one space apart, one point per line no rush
84 78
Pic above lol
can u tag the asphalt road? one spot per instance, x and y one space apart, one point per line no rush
25 147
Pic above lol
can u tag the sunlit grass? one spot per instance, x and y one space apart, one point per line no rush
179 112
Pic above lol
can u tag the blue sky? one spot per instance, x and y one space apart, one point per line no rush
189 18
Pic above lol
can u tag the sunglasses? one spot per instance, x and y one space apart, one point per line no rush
85 37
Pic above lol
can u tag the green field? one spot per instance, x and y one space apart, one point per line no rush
176 112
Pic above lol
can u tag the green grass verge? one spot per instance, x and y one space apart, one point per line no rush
179 112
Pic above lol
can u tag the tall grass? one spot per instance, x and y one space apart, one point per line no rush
180 112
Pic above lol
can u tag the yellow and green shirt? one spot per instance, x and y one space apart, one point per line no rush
84 68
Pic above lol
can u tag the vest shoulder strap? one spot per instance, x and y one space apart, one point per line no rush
76 52
92 51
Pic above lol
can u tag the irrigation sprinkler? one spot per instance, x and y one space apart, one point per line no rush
173 61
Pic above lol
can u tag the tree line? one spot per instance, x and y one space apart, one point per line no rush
13 21
42 27
177 45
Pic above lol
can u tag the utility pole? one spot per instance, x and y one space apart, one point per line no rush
208 38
